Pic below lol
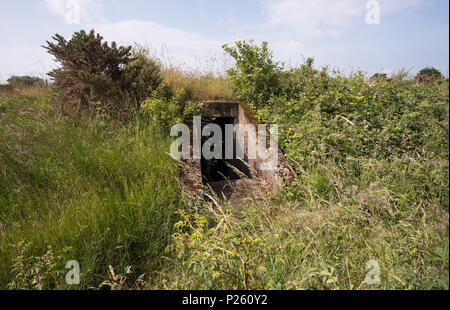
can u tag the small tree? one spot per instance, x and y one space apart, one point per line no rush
98 77
429 74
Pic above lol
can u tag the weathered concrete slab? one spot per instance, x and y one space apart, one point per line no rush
260 180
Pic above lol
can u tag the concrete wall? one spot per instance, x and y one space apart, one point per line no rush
243 115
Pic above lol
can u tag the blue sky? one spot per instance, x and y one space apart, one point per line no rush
412 34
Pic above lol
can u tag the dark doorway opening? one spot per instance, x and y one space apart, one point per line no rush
216 170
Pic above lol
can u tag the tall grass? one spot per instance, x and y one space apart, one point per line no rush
198 86
107 191
205 80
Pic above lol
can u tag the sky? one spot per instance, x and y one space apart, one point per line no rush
368 35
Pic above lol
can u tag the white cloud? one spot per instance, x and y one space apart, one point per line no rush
173 46
288 49
87 11
24 60
171 43
153 33
324 17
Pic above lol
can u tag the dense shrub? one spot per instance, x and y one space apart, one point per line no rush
431 72
25 81
142 76
256 76
97 77
167 109
353 116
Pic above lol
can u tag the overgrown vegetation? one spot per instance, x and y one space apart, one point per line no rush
102 194
429 73
26 80
97 77
371 157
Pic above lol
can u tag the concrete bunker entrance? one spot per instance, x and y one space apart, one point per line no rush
223 169
238 178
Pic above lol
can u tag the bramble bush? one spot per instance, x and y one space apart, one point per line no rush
355 117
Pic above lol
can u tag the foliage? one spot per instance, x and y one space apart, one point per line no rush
38 273
142 76
107 190
372 163
256 77
167 110
25 80
429 73
224 256
97 77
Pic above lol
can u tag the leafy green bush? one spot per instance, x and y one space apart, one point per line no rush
256 77
353 116
35 272
167 110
